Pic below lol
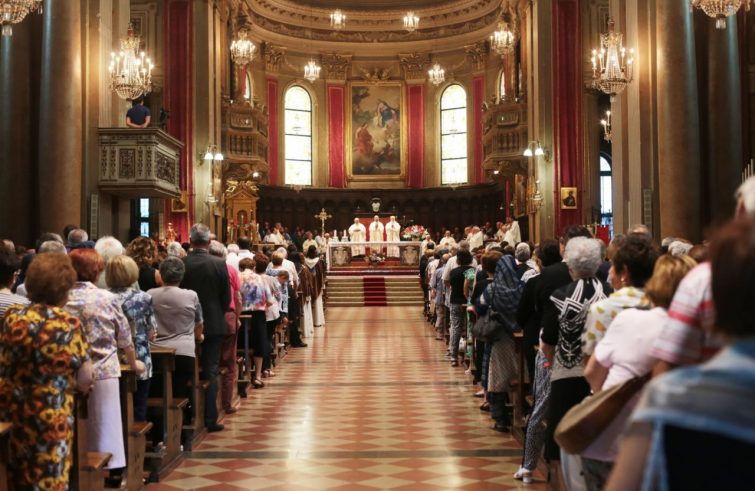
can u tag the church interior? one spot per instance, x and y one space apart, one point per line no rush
422 123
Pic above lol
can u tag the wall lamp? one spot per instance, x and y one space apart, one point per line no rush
212 153
535 149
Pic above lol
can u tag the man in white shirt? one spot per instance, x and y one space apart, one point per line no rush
393 234
512 233
447 241
476 239
293 276
308 241
244 245
376 234
357 233
451 264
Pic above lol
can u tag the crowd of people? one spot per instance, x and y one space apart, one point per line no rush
593 317
72 311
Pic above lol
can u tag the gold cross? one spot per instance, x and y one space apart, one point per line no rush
322 216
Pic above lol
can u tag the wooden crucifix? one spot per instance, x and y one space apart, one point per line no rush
323 216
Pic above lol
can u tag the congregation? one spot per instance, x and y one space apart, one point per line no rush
593 322
76 313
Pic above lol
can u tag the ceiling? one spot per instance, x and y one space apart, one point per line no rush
367 5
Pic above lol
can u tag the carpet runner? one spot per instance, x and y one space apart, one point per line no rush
375 294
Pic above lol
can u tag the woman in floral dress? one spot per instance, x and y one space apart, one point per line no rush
42 350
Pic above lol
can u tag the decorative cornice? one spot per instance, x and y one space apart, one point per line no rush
336 66
414 65
273 57
477 54
376 74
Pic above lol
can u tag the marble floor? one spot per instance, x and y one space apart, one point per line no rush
371 404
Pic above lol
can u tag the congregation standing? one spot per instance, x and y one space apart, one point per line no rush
74 310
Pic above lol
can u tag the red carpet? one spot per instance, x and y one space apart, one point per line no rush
375 294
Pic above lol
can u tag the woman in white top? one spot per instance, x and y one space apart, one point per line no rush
624 353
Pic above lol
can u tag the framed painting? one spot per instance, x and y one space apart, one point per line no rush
376 129
568 198
180 205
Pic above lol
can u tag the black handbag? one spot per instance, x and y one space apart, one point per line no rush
489 327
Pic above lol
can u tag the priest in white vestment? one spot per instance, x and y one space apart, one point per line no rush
513 235
448 240
476 239
376 234
393 234
357 233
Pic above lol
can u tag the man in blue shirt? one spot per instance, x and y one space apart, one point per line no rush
138 116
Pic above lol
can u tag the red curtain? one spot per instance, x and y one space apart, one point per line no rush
336 143
272 131
478 97
416 134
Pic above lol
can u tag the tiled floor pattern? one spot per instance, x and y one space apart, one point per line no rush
371 404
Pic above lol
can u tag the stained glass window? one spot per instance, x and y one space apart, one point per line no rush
453 135
143 217
298 136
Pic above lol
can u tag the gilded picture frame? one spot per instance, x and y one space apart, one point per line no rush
569 199
376 128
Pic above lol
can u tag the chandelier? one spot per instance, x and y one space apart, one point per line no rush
719 9
503 40
130 73
436 74
14 11
243 50
411 22
337 20
612 64
311 70
606 123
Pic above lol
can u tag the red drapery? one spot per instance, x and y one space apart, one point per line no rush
272 131
567 95
416 134
478 97
178 99
336 143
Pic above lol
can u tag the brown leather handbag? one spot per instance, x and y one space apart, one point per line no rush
583 423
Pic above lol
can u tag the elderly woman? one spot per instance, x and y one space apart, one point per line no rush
121 274
631 266
693 427
256 298
107 247
107 330
38 375
175 249
563 323
144 252
624 353
178 314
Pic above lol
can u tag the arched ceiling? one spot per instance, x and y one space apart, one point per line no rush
376 5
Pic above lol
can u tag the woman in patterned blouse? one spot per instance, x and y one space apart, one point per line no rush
107 330
121 273
42 353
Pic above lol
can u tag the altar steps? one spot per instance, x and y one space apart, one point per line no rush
371 290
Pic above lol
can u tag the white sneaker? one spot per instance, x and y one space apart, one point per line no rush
523 475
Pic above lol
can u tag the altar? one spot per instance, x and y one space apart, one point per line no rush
339 256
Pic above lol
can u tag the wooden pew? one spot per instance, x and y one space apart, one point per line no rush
88 469
5 429
162 458
134 433
195 430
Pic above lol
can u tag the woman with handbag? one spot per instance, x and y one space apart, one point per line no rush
623 354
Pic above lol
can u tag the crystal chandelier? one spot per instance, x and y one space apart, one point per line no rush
337 20
612 64
436 74
311 70
503 40
411 22
606 124
719 9
243 50
130 71
14 11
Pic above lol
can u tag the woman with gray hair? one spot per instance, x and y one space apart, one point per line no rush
108 247
561 339
174 249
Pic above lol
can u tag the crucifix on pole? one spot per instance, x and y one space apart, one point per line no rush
323 216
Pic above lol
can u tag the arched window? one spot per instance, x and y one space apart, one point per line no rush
502 84
248 88
453 135
298 136
606 192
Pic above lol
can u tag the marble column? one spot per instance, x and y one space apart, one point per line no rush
723 114
678 122
17 220
60 118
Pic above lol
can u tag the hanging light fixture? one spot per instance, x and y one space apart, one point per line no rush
243 50
337 20
719 9
612 64
14 11
312 70
130 70
606 123
212 153
503 40
534 149
411 22
436 74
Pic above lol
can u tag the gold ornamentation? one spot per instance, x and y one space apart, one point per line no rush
376 74
273 57
477 54
336 66
414 66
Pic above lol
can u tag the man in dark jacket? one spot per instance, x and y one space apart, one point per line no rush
208 276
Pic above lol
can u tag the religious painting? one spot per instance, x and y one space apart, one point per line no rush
568 198
180 205
376 128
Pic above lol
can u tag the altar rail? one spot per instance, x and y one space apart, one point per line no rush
341 254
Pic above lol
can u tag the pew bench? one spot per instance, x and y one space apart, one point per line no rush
88 470
5 430
134 434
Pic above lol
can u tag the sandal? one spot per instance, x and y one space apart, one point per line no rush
485 406
257 383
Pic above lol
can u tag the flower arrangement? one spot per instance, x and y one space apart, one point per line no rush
415 232
374 258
